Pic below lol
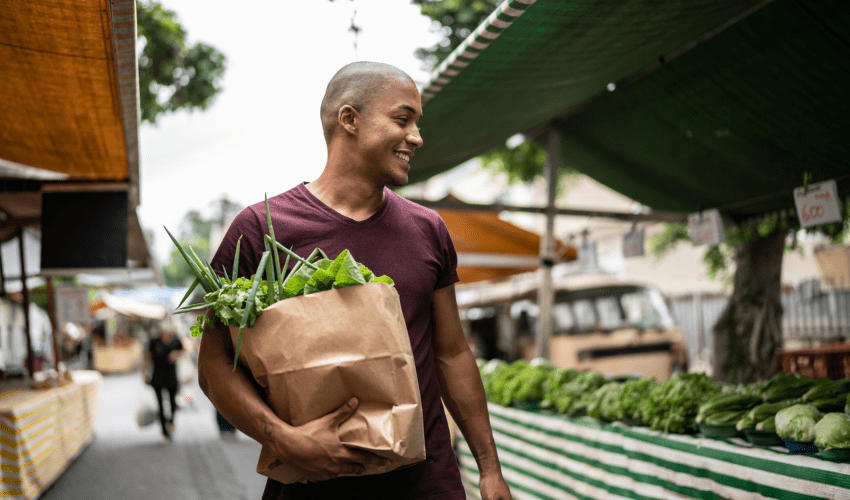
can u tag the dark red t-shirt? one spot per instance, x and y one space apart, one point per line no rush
410 244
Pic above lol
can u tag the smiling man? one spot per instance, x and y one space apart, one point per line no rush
370 116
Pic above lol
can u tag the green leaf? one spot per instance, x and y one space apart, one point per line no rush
271 233
384 279
295 285
251 296
349 273
296 256
192 265
236 260
189 292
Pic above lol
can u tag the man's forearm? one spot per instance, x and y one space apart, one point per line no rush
463 394
231 391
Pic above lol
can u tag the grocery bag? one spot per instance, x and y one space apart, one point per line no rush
312 353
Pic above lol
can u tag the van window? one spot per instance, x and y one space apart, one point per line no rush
563 317
585 317
640 310
609 312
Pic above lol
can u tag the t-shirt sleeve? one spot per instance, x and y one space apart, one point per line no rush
448 274
250 248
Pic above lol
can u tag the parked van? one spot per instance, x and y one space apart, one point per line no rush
617 329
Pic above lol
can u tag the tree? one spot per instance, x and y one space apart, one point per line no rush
172 74
195 230
749 330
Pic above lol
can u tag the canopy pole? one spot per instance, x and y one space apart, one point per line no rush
51 313
545 296
26 293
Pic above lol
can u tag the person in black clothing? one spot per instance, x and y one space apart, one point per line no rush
163 353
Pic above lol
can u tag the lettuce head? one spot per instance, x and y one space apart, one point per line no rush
797 422
833 431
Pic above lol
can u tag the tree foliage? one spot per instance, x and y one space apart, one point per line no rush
173 75
195 230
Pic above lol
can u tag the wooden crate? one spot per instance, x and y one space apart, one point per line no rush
830 360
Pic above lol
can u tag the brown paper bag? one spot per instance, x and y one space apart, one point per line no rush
313 353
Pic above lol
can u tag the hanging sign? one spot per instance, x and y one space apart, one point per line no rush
706 228
587 255
633 244
72 304
817 204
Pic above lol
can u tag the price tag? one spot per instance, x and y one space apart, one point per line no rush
819 205
633 244
72 304
706 228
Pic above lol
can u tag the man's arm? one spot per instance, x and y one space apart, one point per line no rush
463 393
314 447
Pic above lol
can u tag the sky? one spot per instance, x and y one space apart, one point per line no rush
262 134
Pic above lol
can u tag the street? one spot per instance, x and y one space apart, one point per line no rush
127 462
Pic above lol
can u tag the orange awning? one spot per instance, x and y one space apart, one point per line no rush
489 247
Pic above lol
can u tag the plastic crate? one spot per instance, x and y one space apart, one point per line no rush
830 360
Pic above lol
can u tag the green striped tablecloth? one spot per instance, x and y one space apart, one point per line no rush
548 456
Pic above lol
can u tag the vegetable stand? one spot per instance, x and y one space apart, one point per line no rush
549 456
42 431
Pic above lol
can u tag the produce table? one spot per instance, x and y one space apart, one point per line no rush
547 456
41 431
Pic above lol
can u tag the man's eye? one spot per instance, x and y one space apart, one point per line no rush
403 119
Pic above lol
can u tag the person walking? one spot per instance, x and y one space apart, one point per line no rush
161 365
369 116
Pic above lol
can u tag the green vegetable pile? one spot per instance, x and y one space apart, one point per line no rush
673 405
238 301
678 405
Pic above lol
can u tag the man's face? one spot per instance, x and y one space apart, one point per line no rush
390 133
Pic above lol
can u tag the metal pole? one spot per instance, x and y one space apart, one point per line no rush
545 297
26 294
51 313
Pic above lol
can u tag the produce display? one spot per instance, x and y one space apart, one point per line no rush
787 406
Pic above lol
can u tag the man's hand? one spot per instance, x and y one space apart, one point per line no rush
315 448
494 487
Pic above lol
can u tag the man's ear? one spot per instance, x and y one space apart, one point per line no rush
348 118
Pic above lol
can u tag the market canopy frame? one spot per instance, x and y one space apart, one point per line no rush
69 98
682 105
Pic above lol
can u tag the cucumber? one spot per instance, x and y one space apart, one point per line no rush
827 389
725 417
767 425
788 389
726 403
765 410
745 423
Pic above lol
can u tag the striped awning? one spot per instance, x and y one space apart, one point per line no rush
680 105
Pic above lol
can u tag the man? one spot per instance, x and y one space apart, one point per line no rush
369 115
160 370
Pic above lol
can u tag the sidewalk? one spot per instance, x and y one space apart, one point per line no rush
129 463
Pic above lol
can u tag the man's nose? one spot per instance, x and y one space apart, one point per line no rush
415 138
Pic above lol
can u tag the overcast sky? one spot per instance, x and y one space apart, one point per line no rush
262 134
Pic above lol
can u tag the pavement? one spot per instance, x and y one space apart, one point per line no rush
127 462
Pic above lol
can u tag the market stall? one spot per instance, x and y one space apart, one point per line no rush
43 430
549 456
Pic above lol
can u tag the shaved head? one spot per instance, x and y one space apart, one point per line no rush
356 84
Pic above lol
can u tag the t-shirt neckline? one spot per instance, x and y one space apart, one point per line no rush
344 218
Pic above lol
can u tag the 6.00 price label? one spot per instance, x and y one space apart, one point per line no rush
819 205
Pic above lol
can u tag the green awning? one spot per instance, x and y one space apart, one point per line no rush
715 103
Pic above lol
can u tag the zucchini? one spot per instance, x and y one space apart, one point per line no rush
827 389
765 410
724 417
767 425
788 388
745 423
726 403
830 404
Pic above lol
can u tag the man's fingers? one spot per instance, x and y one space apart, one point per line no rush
346 410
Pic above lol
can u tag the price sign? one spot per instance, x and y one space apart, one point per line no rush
818 205
633 244
706 228
72 304
587 257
